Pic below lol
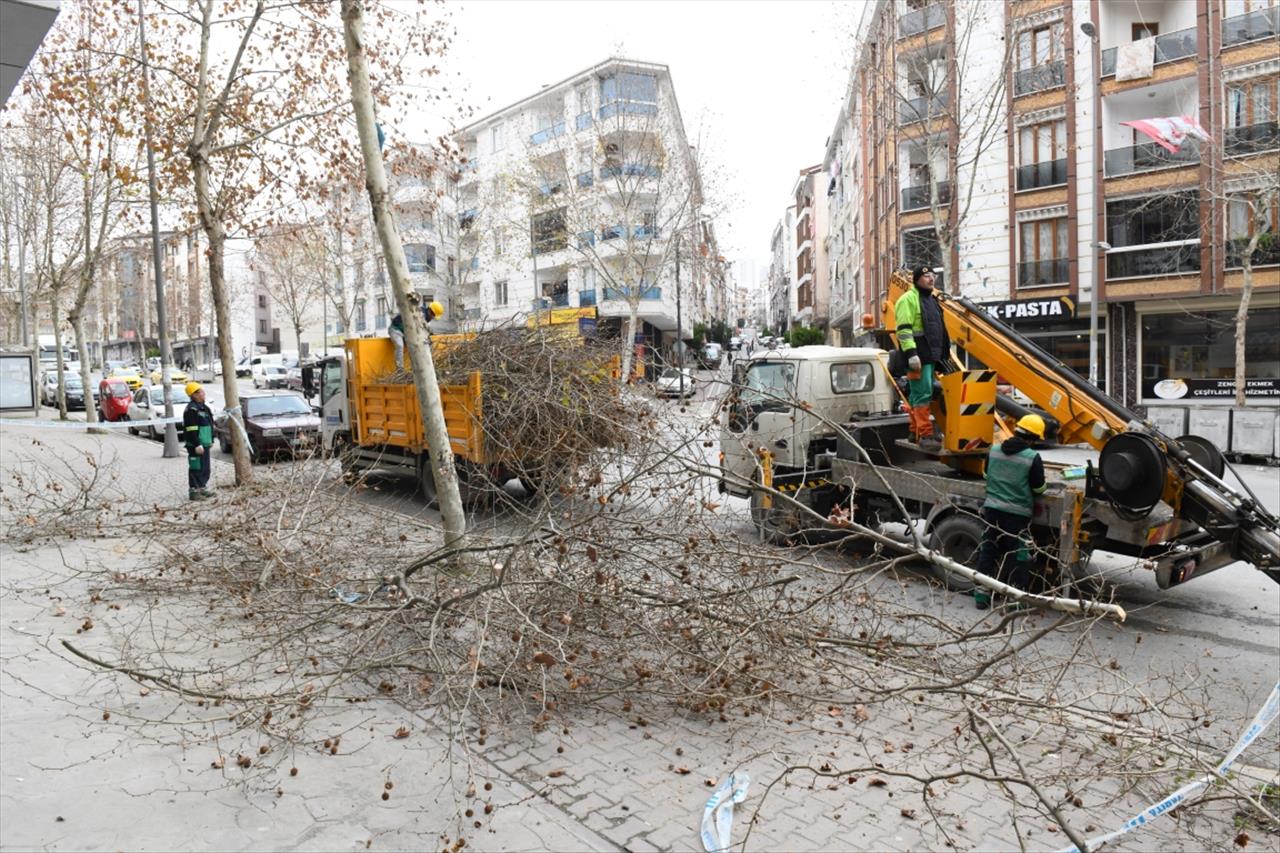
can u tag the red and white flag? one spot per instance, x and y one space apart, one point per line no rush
1170 132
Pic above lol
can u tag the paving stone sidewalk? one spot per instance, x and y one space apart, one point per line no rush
140 775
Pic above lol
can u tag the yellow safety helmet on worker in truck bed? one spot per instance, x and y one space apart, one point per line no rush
1033 424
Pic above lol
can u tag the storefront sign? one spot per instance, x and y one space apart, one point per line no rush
1201 389
1052 310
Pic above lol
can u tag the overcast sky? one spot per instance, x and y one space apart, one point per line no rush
759 83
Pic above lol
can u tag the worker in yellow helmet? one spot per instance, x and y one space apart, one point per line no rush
197 433
430 311
1015 475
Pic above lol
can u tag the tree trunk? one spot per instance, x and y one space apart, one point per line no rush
628 345
419 351
1242 318
61 362
217 237
82 347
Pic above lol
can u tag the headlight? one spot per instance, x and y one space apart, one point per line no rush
271 433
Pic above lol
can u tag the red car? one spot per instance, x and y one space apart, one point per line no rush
113 399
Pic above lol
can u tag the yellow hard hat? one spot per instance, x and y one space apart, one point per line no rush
437 310
1033 424
192 387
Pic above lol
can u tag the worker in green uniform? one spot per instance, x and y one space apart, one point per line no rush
923 339
1015 475
197 430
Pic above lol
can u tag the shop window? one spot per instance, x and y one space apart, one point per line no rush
1202 345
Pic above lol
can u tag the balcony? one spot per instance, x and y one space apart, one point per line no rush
1161 259
612 232
642 170
918 109
647 232
585 179
1259 24
550 189
466 217
633 108
1267 254
583 121
1050 173
586 298
586 239
1169 48
547 134
474 265
1038 273
643 293
915 198
921 20
1148 156
1253 138
1051 75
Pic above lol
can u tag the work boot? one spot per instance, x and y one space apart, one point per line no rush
206 492
981 599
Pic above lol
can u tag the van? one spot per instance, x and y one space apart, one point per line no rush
711 355
258 365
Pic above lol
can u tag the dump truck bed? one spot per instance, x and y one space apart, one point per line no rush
385 411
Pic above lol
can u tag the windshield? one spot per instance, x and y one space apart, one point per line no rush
671 373
117 389
276 370
287 405
769 380
179 396
124 371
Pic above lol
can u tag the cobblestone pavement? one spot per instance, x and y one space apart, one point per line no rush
92 760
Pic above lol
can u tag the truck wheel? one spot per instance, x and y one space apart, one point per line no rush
958 536
774 524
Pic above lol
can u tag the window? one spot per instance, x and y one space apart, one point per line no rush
498 243
1140 31
1248 214
262 327
1202 345
421 257
1043 252
1040 46
500 294
768 384
852 378
1157 235
495 137
449 266
360 316
920 246
549 233
262 301
1251 102
1040 143
629 86
382 305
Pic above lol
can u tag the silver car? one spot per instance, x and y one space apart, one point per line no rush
147 408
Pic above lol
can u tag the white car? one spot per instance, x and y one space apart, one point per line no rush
147 407
669 384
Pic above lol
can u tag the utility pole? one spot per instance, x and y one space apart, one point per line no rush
679 342
1097 244
22 276
166 355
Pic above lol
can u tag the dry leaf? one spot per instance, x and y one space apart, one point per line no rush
860 713
544 659
219 763
555 774
402 732
683 771
876 782
909 814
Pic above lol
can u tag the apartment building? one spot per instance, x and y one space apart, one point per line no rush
841 167
782 301
813 287
588 194
1019 180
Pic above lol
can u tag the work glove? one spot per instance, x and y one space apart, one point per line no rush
913 364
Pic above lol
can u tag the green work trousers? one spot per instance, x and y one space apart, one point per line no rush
920 391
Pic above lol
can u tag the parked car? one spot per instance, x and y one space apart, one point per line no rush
270 376
735 343
668 384
147 406
244 367
710 355
129 375
275 421
74 389
113 399
176 376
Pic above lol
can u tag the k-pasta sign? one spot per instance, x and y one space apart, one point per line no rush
1207 389
1051 310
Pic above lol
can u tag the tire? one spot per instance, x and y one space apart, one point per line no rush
129 420
427 482
224 444
958 536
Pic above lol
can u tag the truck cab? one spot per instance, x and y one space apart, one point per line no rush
782 402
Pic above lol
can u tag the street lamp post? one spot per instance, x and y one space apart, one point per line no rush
1098 245
679 342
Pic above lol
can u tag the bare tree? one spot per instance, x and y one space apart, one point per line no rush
294 263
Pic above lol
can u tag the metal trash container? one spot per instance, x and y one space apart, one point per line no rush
1213 424
1253 432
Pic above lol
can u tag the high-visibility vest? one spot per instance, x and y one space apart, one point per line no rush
1009 481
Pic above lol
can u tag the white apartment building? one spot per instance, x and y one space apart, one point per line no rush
842 168
781 297
813 284
587 194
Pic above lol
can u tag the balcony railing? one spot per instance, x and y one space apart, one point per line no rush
921 20
1147 156
612 232
628 292
1037 79
1167 259
1035 273
918 109
914 198
1169 47
552 243
634 108
466 216
586 179
642 170
475 264
586 298
1267 254
583 121
547 190
586 238
547 134
1259 24
1050 173
470 166
646 232
1253 138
